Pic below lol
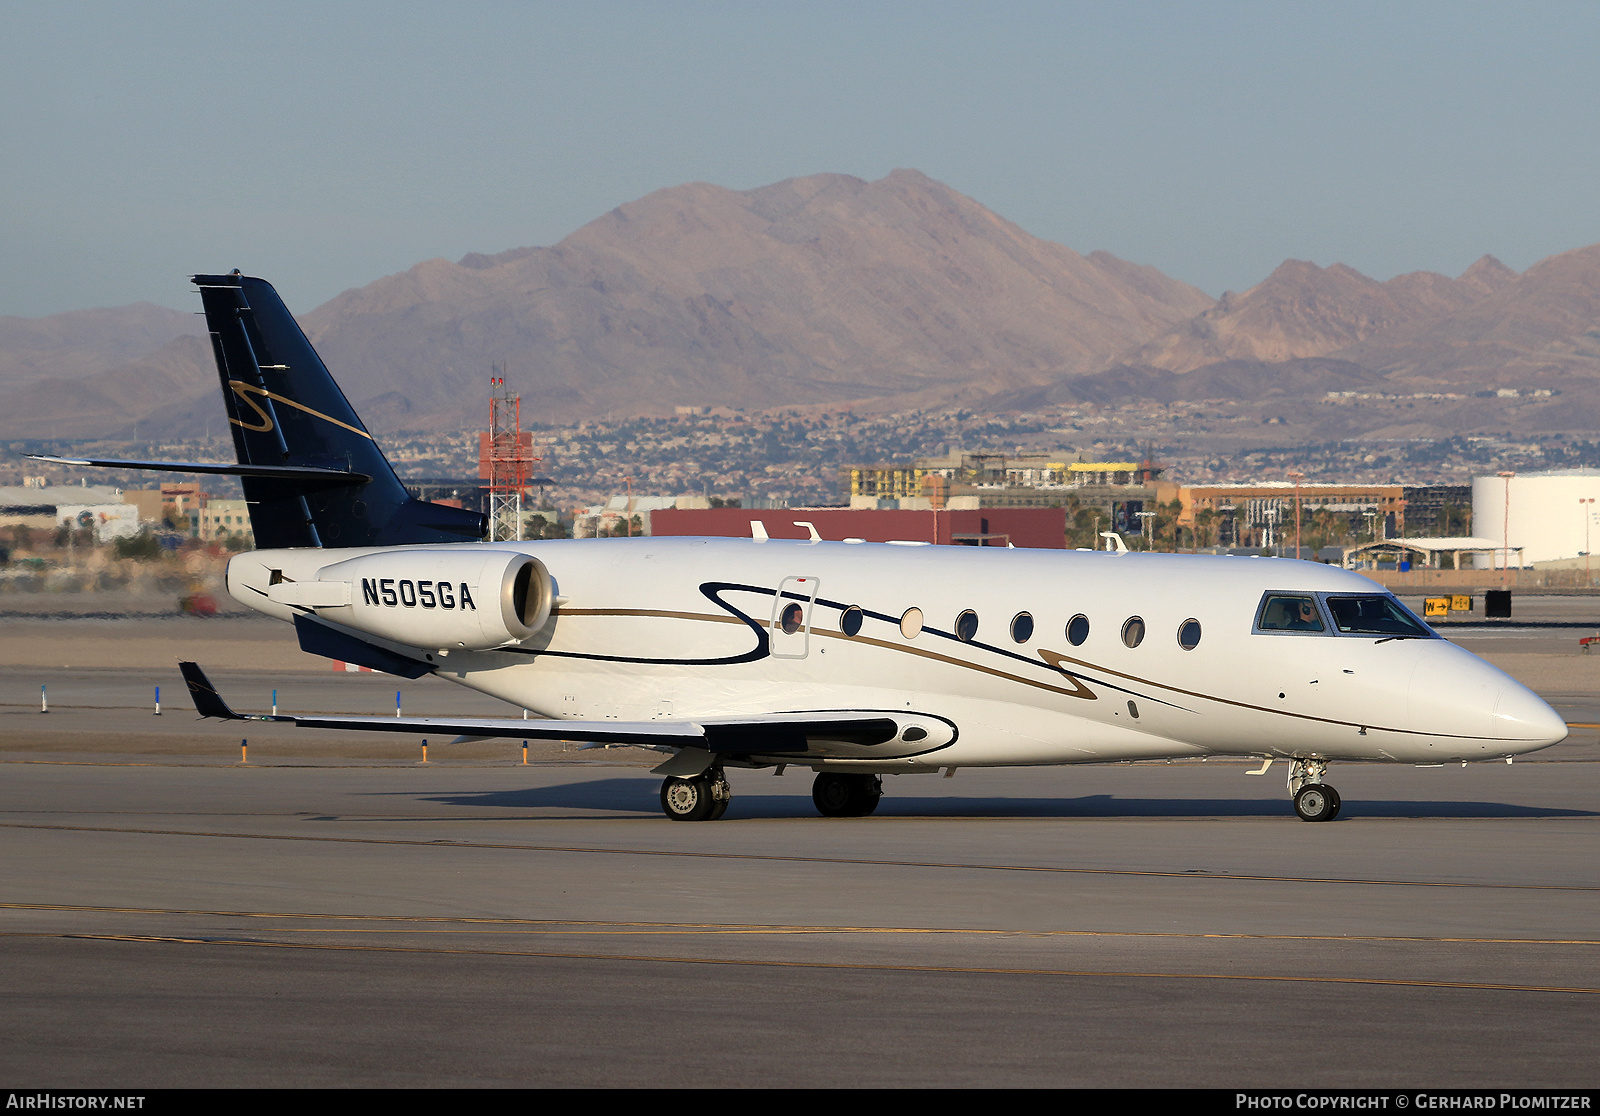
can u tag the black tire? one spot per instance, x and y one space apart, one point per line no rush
846 796
830 792
687 799
1333 794
1315 802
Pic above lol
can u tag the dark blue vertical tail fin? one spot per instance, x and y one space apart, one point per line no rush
285 409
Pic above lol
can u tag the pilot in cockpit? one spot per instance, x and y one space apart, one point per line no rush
1291 614
1303 616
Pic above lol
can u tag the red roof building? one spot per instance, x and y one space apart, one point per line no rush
1039 528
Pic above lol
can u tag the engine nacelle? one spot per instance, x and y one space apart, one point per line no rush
451 599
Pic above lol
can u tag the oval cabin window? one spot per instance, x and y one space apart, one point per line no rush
1021 628
850 622
1189 634
911 622
1078 630
1133 631
967 626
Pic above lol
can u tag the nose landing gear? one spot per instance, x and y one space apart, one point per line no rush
1314 800
1317 802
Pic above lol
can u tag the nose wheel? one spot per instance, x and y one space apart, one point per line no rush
1314 800
1317 802
701 798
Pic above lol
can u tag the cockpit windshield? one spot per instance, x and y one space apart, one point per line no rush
1286 612
1353 614
1378 614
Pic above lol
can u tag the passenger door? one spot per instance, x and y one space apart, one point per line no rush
790 629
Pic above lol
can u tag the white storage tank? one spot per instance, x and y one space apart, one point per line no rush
1550 515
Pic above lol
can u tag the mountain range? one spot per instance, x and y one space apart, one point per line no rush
831 290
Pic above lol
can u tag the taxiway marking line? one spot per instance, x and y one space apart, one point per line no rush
780 859
835 965
643 931
485 925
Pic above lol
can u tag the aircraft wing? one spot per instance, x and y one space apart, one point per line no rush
764 734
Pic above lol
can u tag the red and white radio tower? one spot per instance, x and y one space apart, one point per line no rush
505 459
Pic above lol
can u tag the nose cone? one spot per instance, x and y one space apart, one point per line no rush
1525 720
1454 692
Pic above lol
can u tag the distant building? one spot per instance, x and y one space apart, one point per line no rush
1037 528
35 505
1550 515
147 501
109 521
182 504
221 520
1241 515
1438 509
1113 491
1425 553
965 473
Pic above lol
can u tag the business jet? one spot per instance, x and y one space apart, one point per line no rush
854 660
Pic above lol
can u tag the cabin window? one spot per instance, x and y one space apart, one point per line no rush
850 622
1078 630
1021 627
911 622
1133 631
967 626
1285 612
1378 614
791 618
1189 634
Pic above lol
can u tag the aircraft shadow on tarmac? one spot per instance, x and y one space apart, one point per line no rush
639 796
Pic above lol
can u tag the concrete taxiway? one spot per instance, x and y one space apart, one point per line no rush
335 913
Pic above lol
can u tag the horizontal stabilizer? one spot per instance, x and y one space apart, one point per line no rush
305 474
207 702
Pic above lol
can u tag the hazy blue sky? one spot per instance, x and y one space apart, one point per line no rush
323 145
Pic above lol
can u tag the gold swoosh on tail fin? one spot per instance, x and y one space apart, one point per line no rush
240 388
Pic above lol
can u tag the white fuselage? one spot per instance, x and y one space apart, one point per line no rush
680 628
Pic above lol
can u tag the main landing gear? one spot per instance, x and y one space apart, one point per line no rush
846 796
1314 800
702 798
705 797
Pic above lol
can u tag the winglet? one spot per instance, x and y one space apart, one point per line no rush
207 702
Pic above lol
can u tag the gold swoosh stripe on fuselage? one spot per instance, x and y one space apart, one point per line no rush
240 387
1056 660
1079 690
